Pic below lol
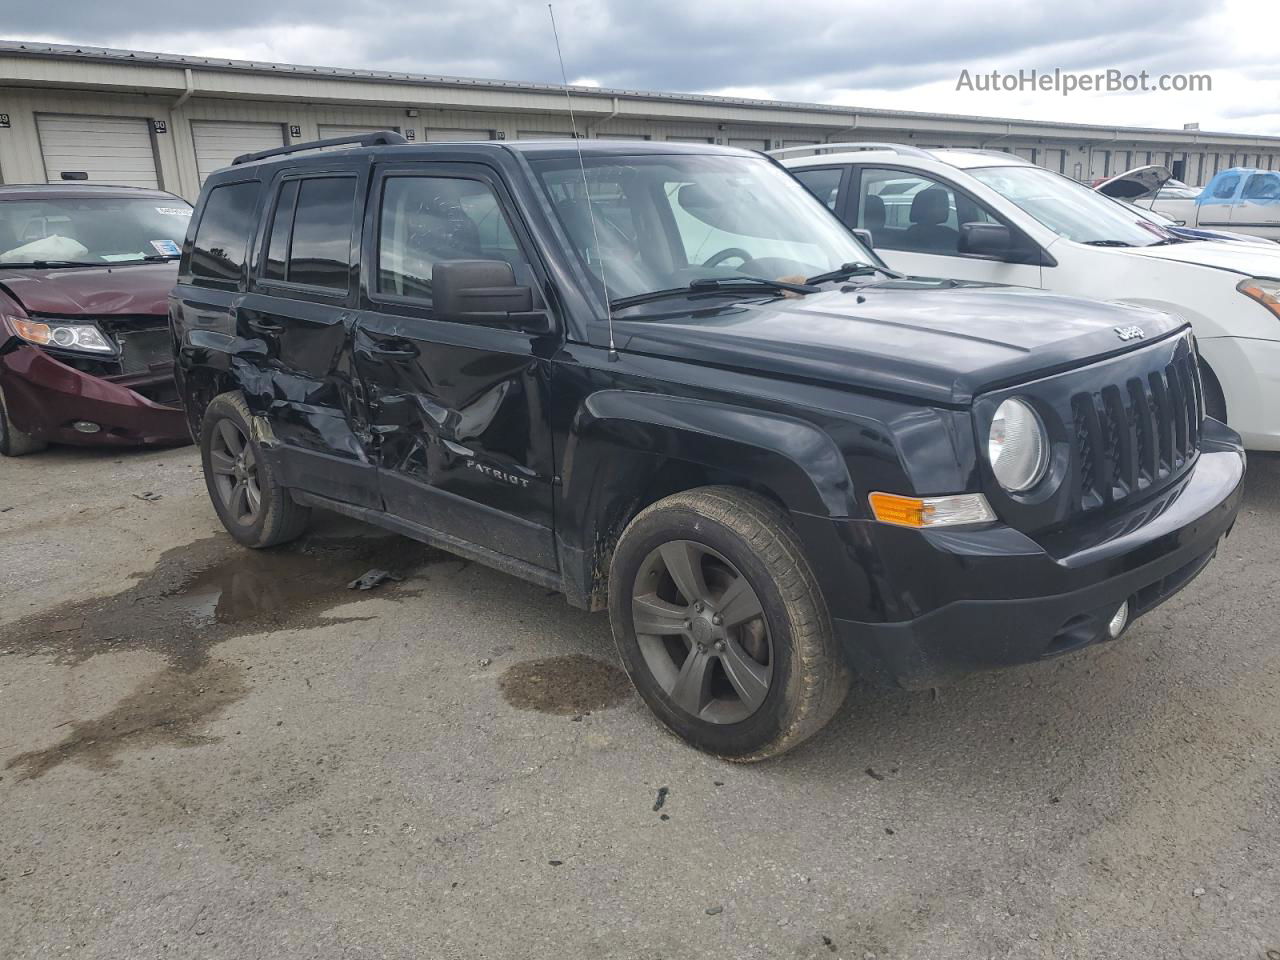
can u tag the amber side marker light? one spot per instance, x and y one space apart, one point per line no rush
922 512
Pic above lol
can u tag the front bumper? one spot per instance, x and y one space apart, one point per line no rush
989 598
45 396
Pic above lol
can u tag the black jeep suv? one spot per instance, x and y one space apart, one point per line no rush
666 381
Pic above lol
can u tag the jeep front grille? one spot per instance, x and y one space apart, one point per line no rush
1137 434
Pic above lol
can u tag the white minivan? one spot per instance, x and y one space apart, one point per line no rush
994 217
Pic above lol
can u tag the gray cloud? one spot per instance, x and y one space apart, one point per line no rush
664 44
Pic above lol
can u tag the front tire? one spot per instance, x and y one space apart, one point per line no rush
13 442
721 624
246 495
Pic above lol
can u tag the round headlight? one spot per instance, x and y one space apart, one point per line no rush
1017 446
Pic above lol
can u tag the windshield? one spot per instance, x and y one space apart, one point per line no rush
662 222
91 229
1067 208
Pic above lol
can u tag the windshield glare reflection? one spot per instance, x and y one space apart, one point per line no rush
662 222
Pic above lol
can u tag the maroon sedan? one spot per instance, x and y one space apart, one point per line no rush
85 358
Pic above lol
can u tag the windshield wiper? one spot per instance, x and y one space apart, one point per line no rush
715 285
160 257
849 270
1107 243
47 264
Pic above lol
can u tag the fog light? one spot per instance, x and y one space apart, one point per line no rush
85 426
1119 620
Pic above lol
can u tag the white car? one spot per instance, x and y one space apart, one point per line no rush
994 217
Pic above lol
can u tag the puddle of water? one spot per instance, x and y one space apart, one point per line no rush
206 592
195 597
564 686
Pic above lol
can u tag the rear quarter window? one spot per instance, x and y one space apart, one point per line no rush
221 239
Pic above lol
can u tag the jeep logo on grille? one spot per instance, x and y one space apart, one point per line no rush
1130 333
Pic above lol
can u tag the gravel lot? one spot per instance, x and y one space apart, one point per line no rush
216 754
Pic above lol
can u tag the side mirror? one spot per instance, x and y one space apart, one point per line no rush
986 240
484 292
865 238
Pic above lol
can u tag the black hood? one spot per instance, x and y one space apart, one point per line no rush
938 341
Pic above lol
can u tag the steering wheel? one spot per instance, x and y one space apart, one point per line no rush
725 254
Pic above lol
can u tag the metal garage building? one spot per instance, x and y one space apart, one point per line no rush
148 119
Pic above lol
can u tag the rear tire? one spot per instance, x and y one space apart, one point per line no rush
748 666
247 496
13 442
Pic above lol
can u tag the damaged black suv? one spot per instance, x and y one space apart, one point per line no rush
666 381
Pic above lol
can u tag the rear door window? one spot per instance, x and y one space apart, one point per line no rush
913 212
1262 186
222 237
281 228
320 244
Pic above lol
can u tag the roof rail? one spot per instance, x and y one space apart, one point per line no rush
363 139
901 148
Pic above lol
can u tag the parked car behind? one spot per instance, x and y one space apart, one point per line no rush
1242 199
1143 186
994 217
585 370
85 357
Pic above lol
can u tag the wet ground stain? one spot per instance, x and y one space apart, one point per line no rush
164 710
196 597
564 686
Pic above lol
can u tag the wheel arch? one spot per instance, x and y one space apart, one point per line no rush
629 449
209 363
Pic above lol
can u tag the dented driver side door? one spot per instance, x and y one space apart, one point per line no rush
458 411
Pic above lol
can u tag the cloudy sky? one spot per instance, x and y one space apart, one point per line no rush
906 54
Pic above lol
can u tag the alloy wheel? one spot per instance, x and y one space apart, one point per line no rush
702 631
235 472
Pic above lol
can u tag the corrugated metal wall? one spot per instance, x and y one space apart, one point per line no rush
178 171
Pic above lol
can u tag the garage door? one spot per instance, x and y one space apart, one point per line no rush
115 150
328 130
218 142
748 144
541 135
456 134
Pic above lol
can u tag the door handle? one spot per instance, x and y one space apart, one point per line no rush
266 326
389 353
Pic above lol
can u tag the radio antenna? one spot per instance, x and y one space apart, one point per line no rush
586 188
